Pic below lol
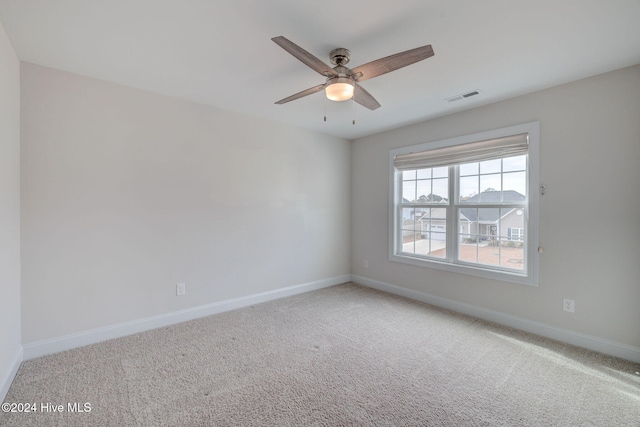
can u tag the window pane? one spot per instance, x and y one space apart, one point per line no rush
468 229
423 189
515 181
435 226
407 215
438 240
427 234
409 191
513 255
518 163
468 251
490 183
488 242
468 187
439 214
423 173
422 244
408 229
441 172
469 169
468 221
422 225
512 238
406 175
440 189
491 166
488 224
408 243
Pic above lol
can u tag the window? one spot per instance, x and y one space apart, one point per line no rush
516 234
469 204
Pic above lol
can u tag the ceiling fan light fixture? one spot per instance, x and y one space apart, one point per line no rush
339 89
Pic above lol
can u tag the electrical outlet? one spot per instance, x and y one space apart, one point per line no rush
366 264
181 289
569 305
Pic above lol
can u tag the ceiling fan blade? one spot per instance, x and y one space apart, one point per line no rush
391 63
308 59
364 98
305 92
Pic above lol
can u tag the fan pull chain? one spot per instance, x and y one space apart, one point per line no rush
325 108
353 104
353 107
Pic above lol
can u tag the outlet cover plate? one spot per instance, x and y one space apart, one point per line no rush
569 305
181 289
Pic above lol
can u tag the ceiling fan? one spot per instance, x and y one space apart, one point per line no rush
342 82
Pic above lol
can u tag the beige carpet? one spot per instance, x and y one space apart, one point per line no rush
341 356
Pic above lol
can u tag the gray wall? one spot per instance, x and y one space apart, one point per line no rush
10 349
127 193
590 215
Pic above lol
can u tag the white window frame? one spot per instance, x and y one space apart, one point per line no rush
528 277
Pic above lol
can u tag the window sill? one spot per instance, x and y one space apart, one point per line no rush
504 276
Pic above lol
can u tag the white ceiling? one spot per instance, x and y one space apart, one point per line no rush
219 53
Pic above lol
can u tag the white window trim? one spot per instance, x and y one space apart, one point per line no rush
533 189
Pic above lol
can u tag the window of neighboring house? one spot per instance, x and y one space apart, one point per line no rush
515 233
469 204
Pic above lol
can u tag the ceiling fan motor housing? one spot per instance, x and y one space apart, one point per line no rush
339 56
340 79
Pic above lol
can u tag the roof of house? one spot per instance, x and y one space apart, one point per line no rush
490 214
435 214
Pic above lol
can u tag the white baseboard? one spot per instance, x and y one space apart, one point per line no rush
575 338
55 345
5 382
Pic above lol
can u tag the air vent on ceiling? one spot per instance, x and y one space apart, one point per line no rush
463 96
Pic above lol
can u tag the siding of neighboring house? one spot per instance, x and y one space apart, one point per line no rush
490 227
510 221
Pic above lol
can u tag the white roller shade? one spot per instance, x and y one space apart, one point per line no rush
514 145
